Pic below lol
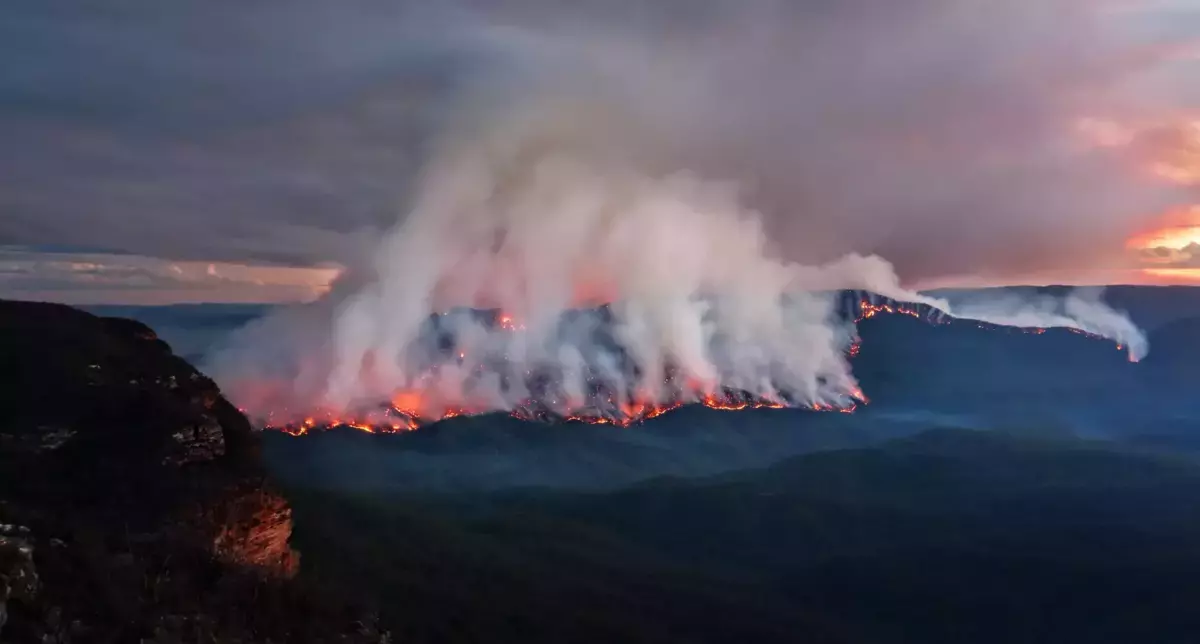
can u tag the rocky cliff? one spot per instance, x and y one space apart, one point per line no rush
133 505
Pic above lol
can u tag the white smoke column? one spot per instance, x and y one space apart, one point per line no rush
528 211
534 215
579 168
1082 309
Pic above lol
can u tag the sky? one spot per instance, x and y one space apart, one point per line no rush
220 151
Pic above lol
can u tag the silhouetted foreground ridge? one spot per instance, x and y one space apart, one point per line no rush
132 502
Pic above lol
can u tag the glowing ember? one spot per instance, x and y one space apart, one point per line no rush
867 310
507 323
396 419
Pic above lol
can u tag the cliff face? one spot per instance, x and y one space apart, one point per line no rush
132 500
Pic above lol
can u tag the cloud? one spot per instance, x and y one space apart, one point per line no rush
133 126
1164 257
104 278
713 170
934 132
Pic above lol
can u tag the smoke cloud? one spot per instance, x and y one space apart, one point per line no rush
712 179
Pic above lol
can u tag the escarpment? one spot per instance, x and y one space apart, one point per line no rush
132 497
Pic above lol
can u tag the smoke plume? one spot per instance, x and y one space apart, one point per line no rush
712 182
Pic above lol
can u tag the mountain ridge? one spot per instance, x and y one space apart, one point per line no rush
133 499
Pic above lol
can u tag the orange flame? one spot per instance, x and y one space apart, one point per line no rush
507 322
408 410
868 310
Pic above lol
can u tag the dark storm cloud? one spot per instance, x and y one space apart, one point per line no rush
209 129
140 65
930 131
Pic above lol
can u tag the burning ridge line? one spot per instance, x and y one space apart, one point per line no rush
396 420
868 310
395 417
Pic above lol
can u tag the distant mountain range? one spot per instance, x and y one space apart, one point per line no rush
945 537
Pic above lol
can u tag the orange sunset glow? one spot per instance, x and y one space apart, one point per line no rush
1173 276
1169 248
1179 229
1170 151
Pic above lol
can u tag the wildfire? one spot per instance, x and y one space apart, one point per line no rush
401 415
410 410
389 421
867 310
1093 336
727 404
633 413
506 322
